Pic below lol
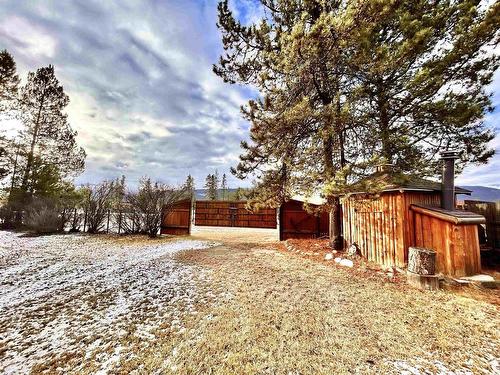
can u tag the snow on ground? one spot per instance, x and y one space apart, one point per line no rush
66 301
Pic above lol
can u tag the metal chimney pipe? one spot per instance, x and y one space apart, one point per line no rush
448 181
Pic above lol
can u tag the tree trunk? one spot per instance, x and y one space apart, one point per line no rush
336 239
387 149
29 162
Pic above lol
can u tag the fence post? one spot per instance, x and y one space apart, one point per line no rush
85 220
119 220
107 225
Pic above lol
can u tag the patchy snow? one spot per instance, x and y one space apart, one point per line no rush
421 366
65 300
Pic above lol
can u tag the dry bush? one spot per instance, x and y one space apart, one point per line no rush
43 217
98 201
150 202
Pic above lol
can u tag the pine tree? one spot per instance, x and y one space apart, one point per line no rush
47 134
223 187
9 81
216 183
189 184
211 187
348 85
422 69
303 136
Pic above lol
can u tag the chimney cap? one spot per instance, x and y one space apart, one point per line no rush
450 154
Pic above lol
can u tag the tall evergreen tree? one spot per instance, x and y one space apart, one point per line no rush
211 187
47 134
422 69
223 187
325 118
189 184
9 82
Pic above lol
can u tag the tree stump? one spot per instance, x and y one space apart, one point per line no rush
427 282
421 261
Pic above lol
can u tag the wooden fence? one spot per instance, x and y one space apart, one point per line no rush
491 211
232 214
296 222
178 220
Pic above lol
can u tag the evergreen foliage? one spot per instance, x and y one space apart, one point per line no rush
223 187
47 134
346 86
211 186
9 82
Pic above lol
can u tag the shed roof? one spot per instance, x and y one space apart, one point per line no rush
387 182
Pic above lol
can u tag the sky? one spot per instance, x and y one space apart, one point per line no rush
143 96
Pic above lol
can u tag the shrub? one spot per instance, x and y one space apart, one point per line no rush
97 203
43 217
150 202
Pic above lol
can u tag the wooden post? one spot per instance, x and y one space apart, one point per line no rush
85 220
107 225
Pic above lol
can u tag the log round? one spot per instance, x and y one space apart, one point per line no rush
421 261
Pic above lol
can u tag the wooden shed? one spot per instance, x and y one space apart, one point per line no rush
296 222
384 226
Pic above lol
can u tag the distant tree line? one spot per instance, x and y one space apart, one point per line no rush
41 161
217 189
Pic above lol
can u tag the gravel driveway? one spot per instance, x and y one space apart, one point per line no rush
76 302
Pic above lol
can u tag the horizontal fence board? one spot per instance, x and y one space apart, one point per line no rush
232 214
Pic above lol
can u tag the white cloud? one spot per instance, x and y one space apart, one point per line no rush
32 41
139 74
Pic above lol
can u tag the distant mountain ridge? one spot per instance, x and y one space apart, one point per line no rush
479 193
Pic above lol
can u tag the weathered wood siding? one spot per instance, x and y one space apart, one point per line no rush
178 220
456 245
382 227
296 222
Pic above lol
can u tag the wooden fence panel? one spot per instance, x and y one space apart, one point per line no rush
178 220
296 222
232 214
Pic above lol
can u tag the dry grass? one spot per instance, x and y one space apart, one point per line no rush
259 309
288 315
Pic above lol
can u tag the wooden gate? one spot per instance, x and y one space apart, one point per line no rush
232 214
178 220
296 222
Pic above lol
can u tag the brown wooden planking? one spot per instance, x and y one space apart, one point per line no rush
232 214
178 220
385 227
296 222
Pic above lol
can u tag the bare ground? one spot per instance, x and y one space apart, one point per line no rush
246 308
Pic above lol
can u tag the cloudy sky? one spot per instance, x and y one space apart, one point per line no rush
143 96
